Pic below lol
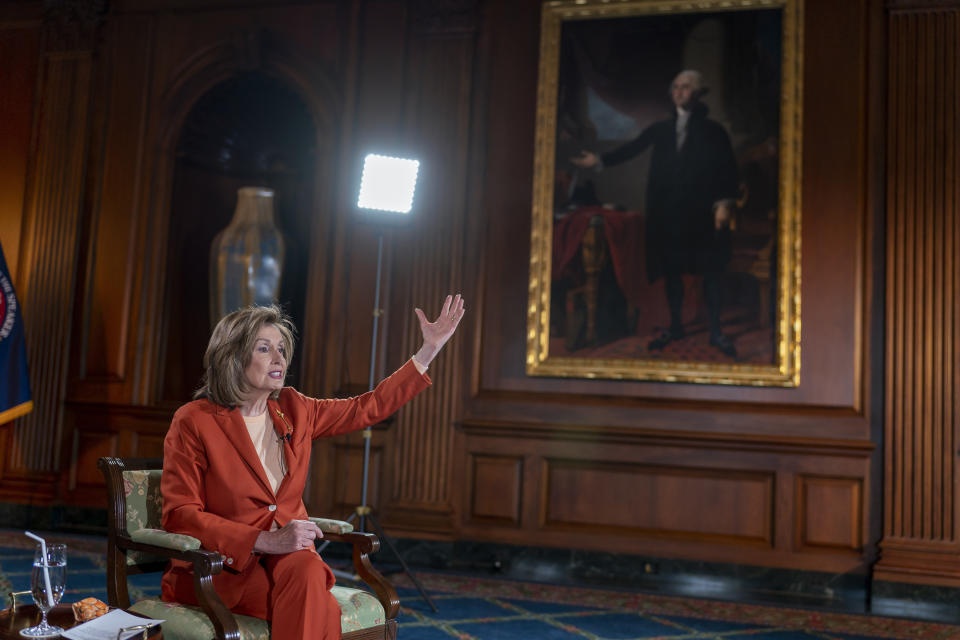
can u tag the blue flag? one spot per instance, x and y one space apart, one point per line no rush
14 383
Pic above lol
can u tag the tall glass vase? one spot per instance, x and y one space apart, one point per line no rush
246 258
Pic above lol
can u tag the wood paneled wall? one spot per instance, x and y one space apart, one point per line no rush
20 36
921 504
54 199
54 191
431 264
20 41
776 476
779 477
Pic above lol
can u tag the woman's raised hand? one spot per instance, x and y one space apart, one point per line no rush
436 333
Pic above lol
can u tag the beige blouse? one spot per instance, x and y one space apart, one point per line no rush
268 447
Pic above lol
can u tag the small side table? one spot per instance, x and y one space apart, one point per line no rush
28 615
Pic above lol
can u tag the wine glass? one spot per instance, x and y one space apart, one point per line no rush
47 584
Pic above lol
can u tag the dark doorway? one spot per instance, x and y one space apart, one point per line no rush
249 130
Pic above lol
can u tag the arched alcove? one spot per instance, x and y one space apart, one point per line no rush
251 129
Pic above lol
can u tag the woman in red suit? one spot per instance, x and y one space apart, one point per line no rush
236 462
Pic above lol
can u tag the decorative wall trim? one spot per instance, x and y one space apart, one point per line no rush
640 500
432 262
922 290
922 5
602 434
49 259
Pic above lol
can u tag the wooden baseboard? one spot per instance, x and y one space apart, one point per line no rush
911 563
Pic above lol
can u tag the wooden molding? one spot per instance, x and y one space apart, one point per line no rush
922 5
648 436
430 265
927 566
923 320
48 263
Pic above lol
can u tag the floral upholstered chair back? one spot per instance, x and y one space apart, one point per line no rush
144 504
141 490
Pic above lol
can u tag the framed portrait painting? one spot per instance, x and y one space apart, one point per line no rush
665 240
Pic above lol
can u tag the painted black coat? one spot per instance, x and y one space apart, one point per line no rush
681 191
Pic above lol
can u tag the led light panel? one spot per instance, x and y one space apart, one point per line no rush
387 183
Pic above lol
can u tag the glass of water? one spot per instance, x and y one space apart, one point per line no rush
47 583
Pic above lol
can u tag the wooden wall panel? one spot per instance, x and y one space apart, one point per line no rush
495 492
112 253
830 512
380 80
639 498
154 65
158 65
834 229
618 491
96 429
20 52
89 446
923 293
52 223
827 420
147 445
457 82
348 476
429 260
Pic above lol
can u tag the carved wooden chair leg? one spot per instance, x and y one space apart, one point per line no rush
221 617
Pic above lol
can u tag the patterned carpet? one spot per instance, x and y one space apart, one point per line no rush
482 608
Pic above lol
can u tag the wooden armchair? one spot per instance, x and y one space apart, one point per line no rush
136 543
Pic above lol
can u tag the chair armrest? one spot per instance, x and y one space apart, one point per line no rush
165 539
206 564
364 542
329 525
204 561
363 545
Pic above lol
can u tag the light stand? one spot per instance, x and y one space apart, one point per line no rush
363 510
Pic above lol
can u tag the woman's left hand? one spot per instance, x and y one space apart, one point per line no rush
436 333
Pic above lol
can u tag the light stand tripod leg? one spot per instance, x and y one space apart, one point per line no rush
383 537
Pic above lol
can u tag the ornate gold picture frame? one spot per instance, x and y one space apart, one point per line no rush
665 241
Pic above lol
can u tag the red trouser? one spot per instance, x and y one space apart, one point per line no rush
290 590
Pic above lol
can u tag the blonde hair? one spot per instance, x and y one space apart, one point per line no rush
230 351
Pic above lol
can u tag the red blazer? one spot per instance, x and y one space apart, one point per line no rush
213 484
